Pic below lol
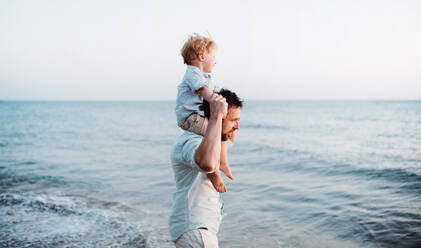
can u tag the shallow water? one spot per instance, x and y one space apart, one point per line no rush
307 174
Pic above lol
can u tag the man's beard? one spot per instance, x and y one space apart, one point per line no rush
226 136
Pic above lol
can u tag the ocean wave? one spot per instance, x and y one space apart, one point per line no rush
263 126
356 119
9 179
274 150
409 181
26 163
34 220
7 199
35 212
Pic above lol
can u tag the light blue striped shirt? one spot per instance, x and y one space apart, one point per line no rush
188 101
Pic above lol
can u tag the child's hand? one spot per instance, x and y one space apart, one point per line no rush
224 167
232 136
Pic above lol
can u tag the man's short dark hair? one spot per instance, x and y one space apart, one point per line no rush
232 99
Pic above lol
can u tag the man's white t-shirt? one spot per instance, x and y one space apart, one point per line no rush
196 203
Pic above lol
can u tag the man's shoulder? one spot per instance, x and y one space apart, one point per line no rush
186 143
188 136
187 140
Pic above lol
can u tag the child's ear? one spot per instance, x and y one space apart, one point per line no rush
201 57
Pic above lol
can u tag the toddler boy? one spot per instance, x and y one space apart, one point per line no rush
199 54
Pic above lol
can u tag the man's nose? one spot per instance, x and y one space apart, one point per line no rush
237 125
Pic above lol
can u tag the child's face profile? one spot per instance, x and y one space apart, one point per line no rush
209 61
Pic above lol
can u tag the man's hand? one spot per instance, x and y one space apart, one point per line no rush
218 106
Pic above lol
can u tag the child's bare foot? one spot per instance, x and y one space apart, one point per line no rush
221 188
224 167
217 182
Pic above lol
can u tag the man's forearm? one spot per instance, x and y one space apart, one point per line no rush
209 151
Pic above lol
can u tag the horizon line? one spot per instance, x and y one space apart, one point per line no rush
172 100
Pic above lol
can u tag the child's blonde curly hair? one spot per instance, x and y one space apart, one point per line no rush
196 45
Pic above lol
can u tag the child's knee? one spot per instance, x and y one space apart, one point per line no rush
196 123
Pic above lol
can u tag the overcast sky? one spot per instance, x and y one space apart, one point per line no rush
130 50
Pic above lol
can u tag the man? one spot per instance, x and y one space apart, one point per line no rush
197 208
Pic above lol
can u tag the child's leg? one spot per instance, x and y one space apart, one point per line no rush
196 123
217 182
224 167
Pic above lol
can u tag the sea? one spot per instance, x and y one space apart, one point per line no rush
306 174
